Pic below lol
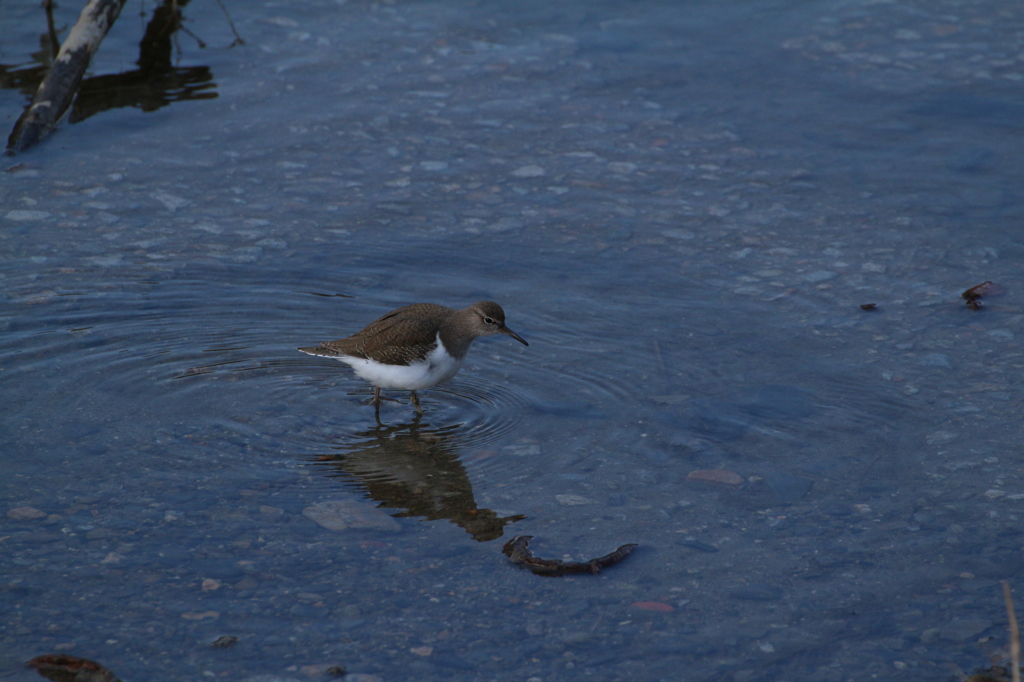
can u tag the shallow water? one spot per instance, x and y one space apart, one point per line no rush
680 206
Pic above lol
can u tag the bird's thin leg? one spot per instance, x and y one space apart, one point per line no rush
377 398
416 402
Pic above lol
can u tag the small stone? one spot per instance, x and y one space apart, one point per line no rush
170 201
715 476
698 545
337 515
964 629
321 670
25 514
200 615
106 261
271 511
573 500
621 167
576 638
23 215
247 583
209 584
422 650
504 225
363 677
530 171
273 243
936 360
523 450
224 641
940 437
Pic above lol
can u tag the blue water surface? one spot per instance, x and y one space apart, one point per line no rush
682 206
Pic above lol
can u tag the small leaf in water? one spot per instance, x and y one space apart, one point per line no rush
64 668
974 294
977 291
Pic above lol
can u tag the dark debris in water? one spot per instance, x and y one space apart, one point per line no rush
64 668
518 551
974 295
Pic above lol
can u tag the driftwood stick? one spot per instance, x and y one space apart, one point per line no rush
60 85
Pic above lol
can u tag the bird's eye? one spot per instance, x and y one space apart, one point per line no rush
488 320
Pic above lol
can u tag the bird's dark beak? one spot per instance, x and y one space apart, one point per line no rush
506 330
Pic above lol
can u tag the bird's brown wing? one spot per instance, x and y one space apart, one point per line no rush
398 338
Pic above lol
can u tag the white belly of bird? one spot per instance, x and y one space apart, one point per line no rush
436 368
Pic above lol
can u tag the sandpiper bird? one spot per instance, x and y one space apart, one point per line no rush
416 346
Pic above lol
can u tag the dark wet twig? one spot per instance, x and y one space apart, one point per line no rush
60 85
518 551
238 38
193 36
51 30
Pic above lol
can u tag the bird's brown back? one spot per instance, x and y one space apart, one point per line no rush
415 326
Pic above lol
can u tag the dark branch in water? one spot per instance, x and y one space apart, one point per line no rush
238 38
518 551
58 88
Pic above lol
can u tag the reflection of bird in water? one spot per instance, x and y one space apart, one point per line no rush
419 471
